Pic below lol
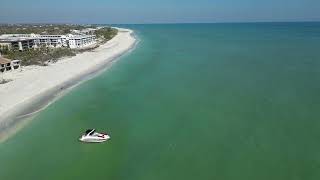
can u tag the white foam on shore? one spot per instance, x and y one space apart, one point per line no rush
45 84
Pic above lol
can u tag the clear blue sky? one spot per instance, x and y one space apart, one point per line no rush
157 11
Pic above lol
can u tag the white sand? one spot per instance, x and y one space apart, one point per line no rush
30 82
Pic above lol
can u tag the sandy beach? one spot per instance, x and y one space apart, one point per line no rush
38 84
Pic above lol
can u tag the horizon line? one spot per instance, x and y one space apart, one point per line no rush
155 23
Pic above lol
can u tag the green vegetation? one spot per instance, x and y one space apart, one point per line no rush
106 33
4 49
39 56
55 29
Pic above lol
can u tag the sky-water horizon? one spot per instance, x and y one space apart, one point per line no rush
155 11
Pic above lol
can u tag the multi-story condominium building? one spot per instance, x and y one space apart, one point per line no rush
52 40
27 41
17 43
86 31
81 41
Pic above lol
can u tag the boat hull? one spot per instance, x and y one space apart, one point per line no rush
94 139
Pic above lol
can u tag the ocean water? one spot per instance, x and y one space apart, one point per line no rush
192 101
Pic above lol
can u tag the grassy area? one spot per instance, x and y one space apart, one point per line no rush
39 56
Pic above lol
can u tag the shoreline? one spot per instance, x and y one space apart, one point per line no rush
53 81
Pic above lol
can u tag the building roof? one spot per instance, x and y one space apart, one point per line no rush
80 36
15 39
4 60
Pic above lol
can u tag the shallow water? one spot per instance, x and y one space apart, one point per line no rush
196 101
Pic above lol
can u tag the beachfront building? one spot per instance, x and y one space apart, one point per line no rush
86 31
81 41
52 40
27 41
4 64
15 64
36 40
17 43
70 40
7 64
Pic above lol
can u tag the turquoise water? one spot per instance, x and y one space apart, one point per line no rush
193 101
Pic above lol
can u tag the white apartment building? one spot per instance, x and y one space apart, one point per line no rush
18 43
28 41
53 41
81 41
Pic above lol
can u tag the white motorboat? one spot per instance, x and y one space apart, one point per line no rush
92 136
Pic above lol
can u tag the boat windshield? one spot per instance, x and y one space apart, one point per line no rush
90 131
